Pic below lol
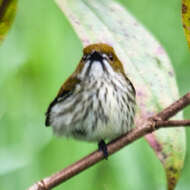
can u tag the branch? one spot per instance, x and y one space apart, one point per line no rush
148 126
175 107
172 123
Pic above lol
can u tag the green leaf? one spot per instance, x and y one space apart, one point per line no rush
186 19
12 159
7 14
146 64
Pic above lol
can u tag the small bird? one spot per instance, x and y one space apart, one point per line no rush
97 102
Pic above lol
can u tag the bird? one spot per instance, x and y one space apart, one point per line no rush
97 102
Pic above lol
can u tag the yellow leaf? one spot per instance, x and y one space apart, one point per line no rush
7 13
186 18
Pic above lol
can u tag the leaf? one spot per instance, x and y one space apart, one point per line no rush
7 14
146 64
186 18
12 159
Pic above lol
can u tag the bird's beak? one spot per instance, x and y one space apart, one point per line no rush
96 56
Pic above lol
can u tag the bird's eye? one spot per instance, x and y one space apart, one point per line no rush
110 56
84 57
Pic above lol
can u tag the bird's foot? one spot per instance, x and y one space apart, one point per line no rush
103 147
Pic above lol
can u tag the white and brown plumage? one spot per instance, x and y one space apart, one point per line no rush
97 101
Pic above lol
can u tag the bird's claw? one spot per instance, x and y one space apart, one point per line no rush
103 147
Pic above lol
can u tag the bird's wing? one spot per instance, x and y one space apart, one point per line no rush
65 91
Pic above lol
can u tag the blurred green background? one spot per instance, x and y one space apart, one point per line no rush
39 53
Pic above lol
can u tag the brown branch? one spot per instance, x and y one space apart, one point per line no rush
175 107
148 126
173 123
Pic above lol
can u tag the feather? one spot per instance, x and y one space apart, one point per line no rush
65 91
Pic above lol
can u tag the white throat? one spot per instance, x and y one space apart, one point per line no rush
96 69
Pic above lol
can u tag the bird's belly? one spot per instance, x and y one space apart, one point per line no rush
100 114
113 120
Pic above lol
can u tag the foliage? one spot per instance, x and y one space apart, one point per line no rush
7 14
186 18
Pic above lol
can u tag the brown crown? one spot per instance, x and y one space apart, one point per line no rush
103 48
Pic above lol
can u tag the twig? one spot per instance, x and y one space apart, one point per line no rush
175 107
148 126
173 123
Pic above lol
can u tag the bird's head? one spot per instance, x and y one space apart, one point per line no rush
99 59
